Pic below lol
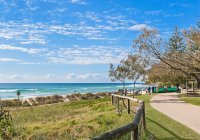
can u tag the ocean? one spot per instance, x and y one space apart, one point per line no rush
8 90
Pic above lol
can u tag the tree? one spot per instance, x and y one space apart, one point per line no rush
136 68
131 68
118 74
158 73
176 42
187 62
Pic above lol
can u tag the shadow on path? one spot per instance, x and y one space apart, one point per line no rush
167 101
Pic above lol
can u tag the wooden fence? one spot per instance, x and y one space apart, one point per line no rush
133 127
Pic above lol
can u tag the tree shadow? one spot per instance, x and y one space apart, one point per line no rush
169 131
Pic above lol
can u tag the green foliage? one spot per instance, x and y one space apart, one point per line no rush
131 68
119 73
160 85
7 129
168 84
176 42
179 55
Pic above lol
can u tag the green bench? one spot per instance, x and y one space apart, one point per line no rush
163 90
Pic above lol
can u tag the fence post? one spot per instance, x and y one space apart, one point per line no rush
143 115
135 134
128 106
112 100
132 135
117 101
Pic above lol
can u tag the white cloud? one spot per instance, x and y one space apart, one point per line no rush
69 77
13 48
73 55
89 55
179 5
78 2
156 12
174 15
38 32
139 27
29 63
89 15
9 60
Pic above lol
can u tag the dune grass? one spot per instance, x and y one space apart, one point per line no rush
163 127
75 120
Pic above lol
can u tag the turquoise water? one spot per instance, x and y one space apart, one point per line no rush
8 90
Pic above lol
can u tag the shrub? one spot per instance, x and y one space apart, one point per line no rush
6 125
168 84
160 85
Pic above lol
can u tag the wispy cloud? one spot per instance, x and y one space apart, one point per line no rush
90 55
78 2
139 27
9 60
179 5
174 15
156 12
13 48
69 77
72 55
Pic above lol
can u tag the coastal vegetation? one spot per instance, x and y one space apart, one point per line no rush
83 119
34 101
72 120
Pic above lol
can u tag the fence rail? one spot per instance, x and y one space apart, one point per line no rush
132 127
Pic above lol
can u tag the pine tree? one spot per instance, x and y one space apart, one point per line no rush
176 42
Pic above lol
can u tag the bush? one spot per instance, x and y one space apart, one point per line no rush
49 99
6 125
160 85
168 84
10 103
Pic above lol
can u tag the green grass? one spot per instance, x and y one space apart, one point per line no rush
165 128
88 118
191 100
76 120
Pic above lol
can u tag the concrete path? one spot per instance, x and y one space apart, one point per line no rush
185 113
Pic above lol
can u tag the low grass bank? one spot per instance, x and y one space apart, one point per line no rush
74 120
163 127
195 100
88 118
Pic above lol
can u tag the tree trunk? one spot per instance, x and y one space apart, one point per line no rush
124 88
198 83
134 89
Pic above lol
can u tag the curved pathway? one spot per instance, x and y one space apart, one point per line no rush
185 113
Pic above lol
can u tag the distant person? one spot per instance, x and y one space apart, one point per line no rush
126 91
149 90
152 89
178 88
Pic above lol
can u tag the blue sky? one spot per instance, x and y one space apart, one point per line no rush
75 40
